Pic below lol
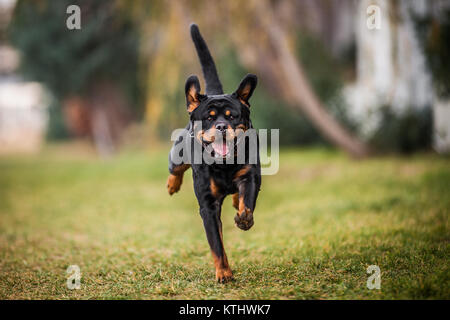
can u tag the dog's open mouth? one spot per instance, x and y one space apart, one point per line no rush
219 148
220 145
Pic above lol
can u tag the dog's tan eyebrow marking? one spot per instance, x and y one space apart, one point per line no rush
227 113
212 113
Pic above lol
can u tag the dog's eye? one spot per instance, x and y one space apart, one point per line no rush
209 118
228 114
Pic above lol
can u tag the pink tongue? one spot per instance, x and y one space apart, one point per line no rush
220 148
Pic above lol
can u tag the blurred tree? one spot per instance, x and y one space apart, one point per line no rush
406 133
92 72
434 34
271 53
96 73
393 92
231 31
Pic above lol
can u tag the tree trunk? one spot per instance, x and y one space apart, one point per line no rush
102 115
391 66
101 132
300 90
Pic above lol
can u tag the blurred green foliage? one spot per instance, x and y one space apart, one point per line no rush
57 129
406 133
69 62
434 35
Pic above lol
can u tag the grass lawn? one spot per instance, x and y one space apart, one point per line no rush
319 223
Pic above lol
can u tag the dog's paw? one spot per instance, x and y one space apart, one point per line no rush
244 220
224 275
174 183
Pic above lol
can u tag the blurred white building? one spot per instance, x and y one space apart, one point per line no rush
23 116
23 105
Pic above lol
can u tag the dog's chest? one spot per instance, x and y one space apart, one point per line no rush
223 179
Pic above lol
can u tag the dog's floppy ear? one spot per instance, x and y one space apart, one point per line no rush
246 87
192 91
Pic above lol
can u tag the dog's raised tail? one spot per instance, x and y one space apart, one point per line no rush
213 85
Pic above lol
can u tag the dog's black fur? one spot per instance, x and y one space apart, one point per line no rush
213 182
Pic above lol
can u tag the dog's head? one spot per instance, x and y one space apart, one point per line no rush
222 116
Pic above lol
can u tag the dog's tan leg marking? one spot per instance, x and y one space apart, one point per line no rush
223 271
175 179
236 200
214 188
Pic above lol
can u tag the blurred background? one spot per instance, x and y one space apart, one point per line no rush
326 76
85 122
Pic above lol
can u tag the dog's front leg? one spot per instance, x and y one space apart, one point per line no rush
213 227
245 200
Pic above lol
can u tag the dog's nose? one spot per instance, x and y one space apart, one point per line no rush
222 127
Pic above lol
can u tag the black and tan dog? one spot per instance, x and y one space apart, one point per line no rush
221 116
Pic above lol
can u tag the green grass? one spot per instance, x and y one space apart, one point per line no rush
319 223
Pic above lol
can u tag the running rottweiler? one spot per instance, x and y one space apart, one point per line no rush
220 117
